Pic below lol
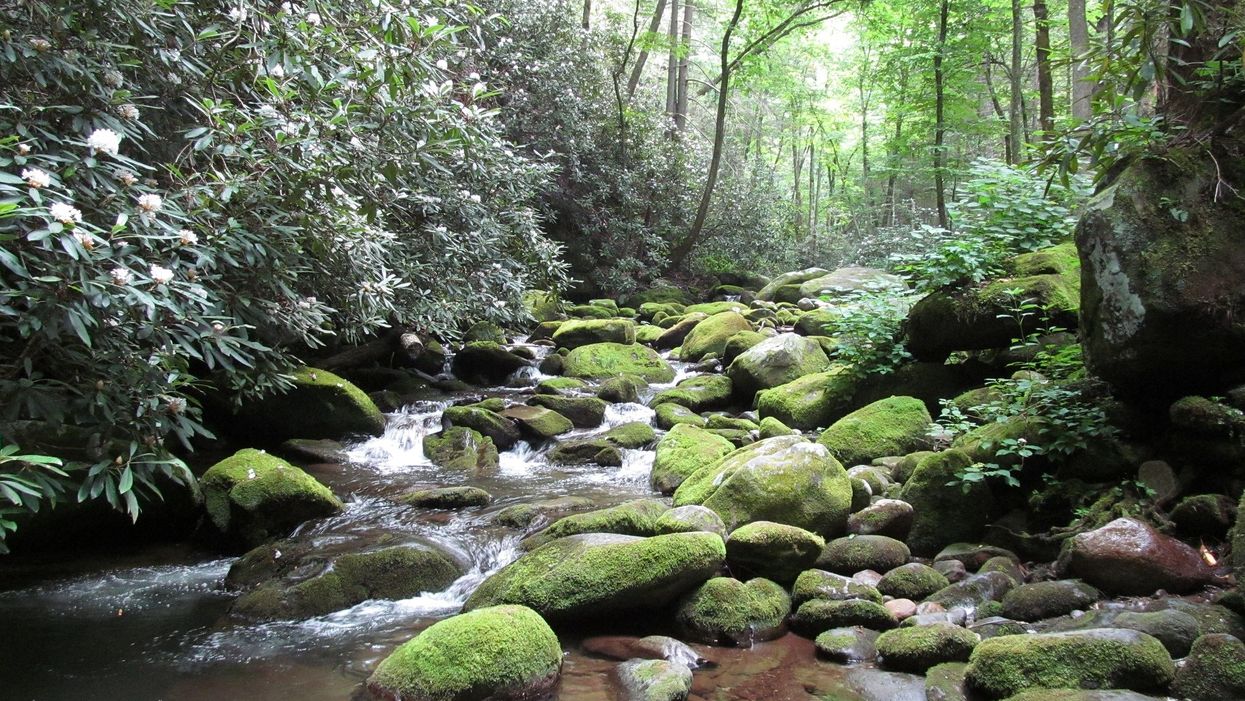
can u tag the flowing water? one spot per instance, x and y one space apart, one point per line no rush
154 624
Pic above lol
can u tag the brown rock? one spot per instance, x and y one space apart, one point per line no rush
1127 557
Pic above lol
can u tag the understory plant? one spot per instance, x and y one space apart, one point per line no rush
868 329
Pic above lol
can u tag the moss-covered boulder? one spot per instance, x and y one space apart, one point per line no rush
776 361
583 332
738 344
638 518
844 281
771 427
542 305
847 645
584 412
1033 602
1090 659
600 361
682 452
1205 515
502 653
852 554
819 584
888 517
503 432
252 497
297 580
703 393
818 322
728 611
979 318
894 426
711 334
669 415
648 334
1156 287
688 519
810 401
538 513
461 448
769 293
974 592
597 576
917 648
943 514
913 581
631 435
318 405
447 498
655 680
982 443
772 550
786 479
659 294
486 363
586 450
1215 669
816 616
538 423
621 389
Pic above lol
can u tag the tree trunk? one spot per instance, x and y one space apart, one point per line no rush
672 67
940 125
893 174
1046 88
1016 114
797 168
395 344
653 26
684 247
587 14
685 57
1078 40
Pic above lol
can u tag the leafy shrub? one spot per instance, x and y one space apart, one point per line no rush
1005 210
201 189
868 329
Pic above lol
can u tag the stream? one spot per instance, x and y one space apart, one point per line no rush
153 624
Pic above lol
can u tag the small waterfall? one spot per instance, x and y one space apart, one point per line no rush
402 445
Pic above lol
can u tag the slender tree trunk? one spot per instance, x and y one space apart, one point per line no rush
684 247
637 72
1078 40
587 14
1046 88
1017 130
685 57
672 67
940 125
812 188
797 168
893 171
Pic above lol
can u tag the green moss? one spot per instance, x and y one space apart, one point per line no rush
1215 670
583 332
638 518
774 550
913 581
819 584
738 344
1039 600
863 552
785 479
500 652
1093 659
584 451
590 311
725 610
501 430
1057 293
538 422
648 310
771 427
811 401
635 434
982 443
542 305
670 415
819 615
625 388
252 497
584 412
703 393
605 360
525 515
917 648
320 405
894 426
448 498
818 322
711 334
688 519
945 682
907 465
655 680
943 514
461 448
596 576
561 386
662 294
648 334
1056 260
776 361
683 451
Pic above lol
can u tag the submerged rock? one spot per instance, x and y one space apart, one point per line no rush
848 645
502 653
448 498
654 680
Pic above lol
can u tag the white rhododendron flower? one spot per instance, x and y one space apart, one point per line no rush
313 18
85 240
64 213
105 140
187 237
36 178
277 71
121 276
176 405
161 275
150 203
126 177
128 111
23 149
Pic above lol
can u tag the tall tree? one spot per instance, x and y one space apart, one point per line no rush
940 117
1016 74
685 57
672 67
1046 88
1078 47
587 14
638 70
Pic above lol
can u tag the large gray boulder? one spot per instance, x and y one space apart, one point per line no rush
776 361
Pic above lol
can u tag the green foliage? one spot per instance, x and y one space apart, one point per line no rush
26 481
868 328
1005 210
198 188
